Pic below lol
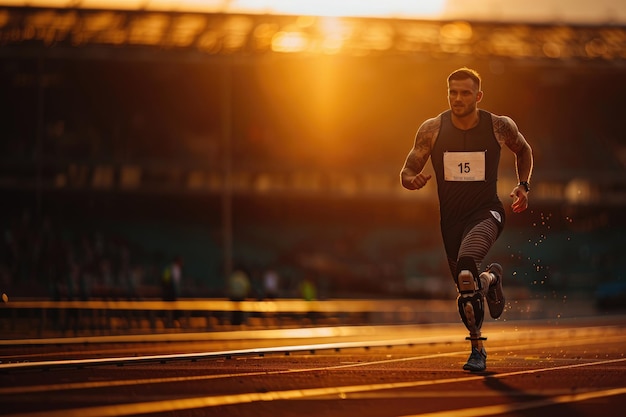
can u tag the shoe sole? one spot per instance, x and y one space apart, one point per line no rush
473 369
496 306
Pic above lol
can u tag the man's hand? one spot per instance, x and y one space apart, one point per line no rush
420 180
520 199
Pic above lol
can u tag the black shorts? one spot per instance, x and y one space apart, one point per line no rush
453 233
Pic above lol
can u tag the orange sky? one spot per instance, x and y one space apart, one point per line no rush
551 11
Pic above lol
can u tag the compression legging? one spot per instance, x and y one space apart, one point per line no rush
476 243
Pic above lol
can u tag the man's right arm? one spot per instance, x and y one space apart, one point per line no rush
410 176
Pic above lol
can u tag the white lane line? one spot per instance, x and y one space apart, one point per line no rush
146 381
222 400
554 333
120 383
412 394
68 363
513 407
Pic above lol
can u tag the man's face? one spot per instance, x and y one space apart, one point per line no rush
463 97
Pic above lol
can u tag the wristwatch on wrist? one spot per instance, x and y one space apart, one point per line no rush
525 185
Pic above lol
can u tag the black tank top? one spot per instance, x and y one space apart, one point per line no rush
460 197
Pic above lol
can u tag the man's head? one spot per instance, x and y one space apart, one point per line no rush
464 92
464 74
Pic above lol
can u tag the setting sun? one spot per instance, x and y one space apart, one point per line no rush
349 8
360 8
547 11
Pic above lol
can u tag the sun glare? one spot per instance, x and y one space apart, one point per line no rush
348 8
547 11
357 8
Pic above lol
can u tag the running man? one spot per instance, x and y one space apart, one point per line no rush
464 144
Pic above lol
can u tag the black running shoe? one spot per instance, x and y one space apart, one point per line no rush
477 360
495 295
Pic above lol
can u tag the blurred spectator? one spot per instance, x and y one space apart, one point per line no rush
171 280
308 290
271 284
238 290
238 285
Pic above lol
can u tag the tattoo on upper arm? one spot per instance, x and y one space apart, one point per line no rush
507 133
424 139
426 136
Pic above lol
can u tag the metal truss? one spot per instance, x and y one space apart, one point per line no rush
227 34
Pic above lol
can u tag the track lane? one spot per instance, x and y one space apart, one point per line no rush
567 351
366 340
130 409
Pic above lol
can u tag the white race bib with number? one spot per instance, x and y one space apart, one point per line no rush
464 166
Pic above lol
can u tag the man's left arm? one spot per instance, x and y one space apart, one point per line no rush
506 132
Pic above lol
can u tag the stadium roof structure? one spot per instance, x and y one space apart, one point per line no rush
212 27
598 12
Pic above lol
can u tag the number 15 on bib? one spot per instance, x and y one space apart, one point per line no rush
464 166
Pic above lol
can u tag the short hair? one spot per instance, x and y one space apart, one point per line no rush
465 73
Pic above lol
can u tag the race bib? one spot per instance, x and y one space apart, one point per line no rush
464 166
